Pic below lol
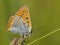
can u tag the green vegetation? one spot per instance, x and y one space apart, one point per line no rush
45 17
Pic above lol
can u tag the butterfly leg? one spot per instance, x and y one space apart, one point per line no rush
30 34
23 39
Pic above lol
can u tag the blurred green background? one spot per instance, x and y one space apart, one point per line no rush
45 16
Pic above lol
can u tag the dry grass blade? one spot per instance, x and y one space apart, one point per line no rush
17 41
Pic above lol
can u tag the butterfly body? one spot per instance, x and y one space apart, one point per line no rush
20 23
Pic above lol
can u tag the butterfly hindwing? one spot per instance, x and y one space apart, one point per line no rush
13 23
10 22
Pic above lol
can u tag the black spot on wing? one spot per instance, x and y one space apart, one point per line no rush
25 11
26 17
18 19
12 25
20 15
27 21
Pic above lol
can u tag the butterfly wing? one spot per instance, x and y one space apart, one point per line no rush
20 23
10 22
24 14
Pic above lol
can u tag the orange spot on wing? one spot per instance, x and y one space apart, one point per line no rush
10 22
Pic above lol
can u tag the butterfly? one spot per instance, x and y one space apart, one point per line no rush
20 23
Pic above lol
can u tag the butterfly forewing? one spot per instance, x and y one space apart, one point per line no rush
24 13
